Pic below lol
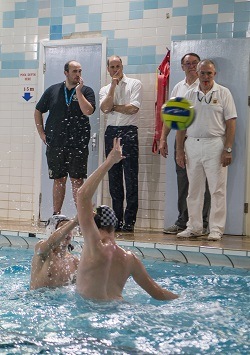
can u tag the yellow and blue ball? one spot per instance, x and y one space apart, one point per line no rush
178 113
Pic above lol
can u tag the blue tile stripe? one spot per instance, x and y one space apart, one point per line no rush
200 25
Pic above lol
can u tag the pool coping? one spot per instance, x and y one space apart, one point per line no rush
201 255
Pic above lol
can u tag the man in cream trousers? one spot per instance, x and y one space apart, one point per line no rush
207 151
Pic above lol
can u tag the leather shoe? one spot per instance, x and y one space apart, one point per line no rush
128 228
119 227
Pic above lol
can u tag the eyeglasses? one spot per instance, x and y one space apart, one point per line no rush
208 73
190 64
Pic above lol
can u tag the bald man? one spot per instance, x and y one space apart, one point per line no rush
67 131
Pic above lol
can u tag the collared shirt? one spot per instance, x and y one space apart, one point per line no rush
128 91
181 88
66 125
212 111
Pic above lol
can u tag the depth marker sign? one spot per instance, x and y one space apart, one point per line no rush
28 86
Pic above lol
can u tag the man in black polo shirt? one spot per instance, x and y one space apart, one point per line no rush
67 131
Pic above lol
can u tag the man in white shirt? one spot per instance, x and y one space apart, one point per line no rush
189 64
208 151
121 101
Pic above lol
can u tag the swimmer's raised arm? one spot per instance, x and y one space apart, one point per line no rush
86 192
44 247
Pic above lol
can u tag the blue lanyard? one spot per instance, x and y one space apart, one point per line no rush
68 101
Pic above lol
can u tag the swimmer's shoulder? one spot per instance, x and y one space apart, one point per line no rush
127 255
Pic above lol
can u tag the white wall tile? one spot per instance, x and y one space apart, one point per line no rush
4 213
135 23
210 9
122 16
44 12
180 3
106 7
135 42
4 196
108 16
178 30
20 31
149 22
14 205
32 22
69 19
110 25
20 24
25 189
5 179
226 17
95 8
25 206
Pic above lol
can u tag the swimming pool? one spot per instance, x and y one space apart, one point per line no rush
210 317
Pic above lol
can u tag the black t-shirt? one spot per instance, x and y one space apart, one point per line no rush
66 125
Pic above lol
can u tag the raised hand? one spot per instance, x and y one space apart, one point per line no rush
116 78
116 153
80 84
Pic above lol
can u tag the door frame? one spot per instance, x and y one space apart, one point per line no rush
247 187
40 89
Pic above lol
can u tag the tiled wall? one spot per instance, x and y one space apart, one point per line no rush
139 31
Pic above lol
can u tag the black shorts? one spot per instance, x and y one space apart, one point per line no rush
64 161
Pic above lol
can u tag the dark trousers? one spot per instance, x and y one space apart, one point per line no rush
126 170
182 186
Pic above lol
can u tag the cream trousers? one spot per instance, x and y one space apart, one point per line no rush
204 161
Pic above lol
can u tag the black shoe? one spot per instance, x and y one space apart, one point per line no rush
128 228
119 227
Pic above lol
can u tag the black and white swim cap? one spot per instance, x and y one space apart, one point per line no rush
105 216
53 222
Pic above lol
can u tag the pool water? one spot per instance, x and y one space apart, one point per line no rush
210 317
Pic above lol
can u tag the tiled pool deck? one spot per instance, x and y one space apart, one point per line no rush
231 251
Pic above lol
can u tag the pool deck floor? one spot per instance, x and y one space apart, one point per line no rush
231 242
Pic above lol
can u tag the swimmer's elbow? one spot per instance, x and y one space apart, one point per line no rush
82 195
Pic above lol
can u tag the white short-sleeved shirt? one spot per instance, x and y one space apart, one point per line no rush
212 111
128 91
181 88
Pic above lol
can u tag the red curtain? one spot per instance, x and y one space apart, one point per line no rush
162 83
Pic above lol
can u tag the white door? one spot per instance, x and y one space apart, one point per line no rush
90 56
231 57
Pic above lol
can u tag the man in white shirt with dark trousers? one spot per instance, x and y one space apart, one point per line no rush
121 101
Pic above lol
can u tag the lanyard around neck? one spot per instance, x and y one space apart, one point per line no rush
200 99
68 100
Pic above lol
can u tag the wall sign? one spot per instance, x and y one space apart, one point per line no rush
28 86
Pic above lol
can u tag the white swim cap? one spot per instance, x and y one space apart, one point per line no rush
53 222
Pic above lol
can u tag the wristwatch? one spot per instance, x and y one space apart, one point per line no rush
229 150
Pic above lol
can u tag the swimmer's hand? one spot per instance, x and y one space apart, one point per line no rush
115 156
